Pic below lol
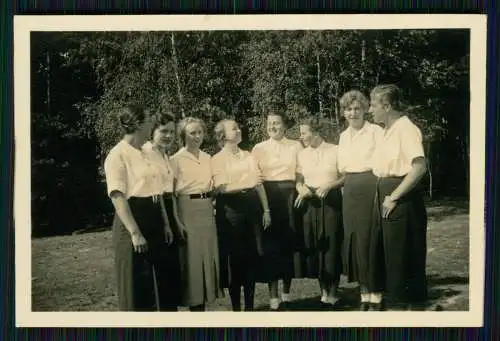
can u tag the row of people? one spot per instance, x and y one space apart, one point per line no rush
284 210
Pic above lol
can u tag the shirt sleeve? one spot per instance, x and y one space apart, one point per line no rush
116 173
256 155
255 169
411 142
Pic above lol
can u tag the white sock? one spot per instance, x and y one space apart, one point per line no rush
285 297
324 295
375 297
274 303
365 297
331 300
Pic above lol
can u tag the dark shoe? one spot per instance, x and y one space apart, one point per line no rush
364 306
377 306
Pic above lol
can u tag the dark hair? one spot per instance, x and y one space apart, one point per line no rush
313 122
161 119
389 94
181 127
353 96
284 117
131 117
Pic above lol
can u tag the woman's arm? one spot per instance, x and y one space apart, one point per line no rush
168 231
123 211
418 170
180 225
266 218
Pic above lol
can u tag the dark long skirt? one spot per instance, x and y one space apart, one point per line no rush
134 271
322 236
360 243
280 241
239 231
404 244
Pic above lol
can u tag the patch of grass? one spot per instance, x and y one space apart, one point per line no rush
75 273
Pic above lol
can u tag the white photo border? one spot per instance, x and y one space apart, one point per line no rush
24 25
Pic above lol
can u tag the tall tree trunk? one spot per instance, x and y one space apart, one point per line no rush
177 76
318 80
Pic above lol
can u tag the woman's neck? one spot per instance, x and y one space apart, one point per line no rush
231 147
193 150
316 142
392 117
134 140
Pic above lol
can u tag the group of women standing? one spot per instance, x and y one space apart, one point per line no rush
286 209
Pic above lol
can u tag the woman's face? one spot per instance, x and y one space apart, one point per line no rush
164 135
232 132
275 127
306 134
354 114
194 135
377 109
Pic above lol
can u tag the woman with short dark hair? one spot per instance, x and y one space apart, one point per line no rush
320 201
141 229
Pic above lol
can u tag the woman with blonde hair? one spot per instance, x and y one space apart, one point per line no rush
356 146
242 212
196 222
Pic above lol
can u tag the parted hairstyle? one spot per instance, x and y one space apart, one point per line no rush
352 96
313 122
181 127
131 117
284 118
162 118
388 94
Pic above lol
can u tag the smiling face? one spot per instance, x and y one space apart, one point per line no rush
275 127
164 135
354 115
232 132
378 109
193 135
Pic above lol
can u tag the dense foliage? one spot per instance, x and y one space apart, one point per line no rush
79 79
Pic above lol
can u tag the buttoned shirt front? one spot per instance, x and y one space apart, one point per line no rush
193 174
396 150
318 165
163 162
132 172
277 160
235 171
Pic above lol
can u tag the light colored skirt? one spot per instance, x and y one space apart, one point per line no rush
199 255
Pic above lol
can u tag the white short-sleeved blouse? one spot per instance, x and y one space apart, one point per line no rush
161 159
396 150
194 175
356 148
236 171
131 172
318 165
277 160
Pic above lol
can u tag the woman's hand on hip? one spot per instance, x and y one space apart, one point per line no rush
388 206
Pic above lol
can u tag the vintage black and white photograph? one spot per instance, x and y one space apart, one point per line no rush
315 168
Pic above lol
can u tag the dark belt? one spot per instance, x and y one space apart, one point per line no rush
168 195
205 195
239 192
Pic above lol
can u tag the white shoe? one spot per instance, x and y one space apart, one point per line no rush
285 297
331 300
274 303
323 298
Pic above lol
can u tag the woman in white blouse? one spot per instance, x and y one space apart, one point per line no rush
277 162
399 163
320 201
162 138
196 221
141 231
355 150
241 214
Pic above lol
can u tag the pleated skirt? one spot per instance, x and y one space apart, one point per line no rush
150 281
404 244
280 241
360 243
321 254
239 230
199 255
